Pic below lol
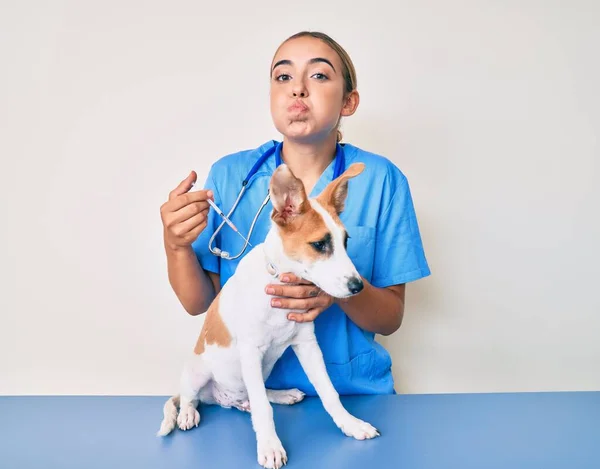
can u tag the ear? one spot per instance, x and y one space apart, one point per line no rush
351 102
288 195
336 191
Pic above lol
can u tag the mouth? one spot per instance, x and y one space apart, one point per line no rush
344 296
298 107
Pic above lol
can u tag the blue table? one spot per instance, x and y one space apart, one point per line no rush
479 431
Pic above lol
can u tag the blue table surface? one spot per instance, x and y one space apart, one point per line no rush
520 430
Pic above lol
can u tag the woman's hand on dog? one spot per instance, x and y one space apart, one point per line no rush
299 295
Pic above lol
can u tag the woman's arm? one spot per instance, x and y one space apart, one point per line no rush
378 310
195 288
184 216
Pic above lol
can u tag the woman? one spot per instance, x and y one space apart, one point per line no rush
313 85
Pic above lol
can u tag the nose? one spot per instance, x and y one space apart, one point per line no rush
355 285
299 90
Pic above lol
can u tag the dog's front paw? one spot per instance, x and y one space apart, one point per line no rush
358 429
243 406
188 417
271 454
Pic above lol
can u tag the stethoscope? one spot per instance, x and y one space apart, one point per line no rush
340 162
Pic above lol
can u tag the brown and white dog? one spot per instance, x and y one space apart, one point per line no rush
243 335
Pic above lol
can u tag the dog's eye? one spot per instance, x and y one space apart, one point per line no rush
323 245
319 246
346 238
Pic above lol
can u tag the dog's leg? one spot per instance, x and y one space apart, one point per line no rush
311 358
270 451
194 377
285 396
169 416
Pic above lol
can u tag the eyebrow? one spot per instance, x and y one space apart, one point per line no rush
311 61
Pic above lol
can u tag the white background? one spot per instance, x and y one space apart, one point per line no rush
491 109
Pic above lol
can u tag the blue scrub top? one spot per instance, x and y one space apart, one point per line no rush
385 246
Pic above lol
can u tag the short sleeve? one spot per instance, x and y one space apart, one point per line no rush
399 253
207 260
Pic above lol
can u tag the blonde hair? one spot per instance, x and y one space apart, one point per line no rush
348 70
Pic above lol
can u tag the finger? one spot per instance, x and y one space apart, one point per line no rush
193 234
184 186
297 304
186 199
310 315
291 278
172 221
301 304
187 212
188 225
293 291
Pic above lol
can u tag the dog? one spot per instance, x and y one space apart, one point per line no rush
243 335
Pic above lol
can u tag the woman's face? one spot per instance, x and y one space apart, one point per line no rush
307 90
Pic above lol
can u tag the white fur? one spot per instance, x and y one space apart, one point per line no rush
234 376
333 274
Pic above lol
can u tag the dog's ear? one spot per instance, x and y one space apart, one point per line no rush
336 191
288 195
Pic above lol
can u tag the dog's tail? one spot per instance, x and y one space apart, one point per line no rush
169 416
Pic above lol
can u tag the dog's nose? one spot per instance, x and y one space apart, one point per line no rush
355 285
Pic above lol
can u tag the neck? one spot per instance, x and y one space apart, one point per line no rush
274 254
308 160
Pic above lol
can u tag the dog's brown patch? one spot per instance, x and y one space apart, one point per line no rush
299 223
333 197
330 208
214 330
303 230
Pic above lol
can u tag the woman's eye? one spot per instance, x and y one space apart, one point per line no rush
282 77
320 76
